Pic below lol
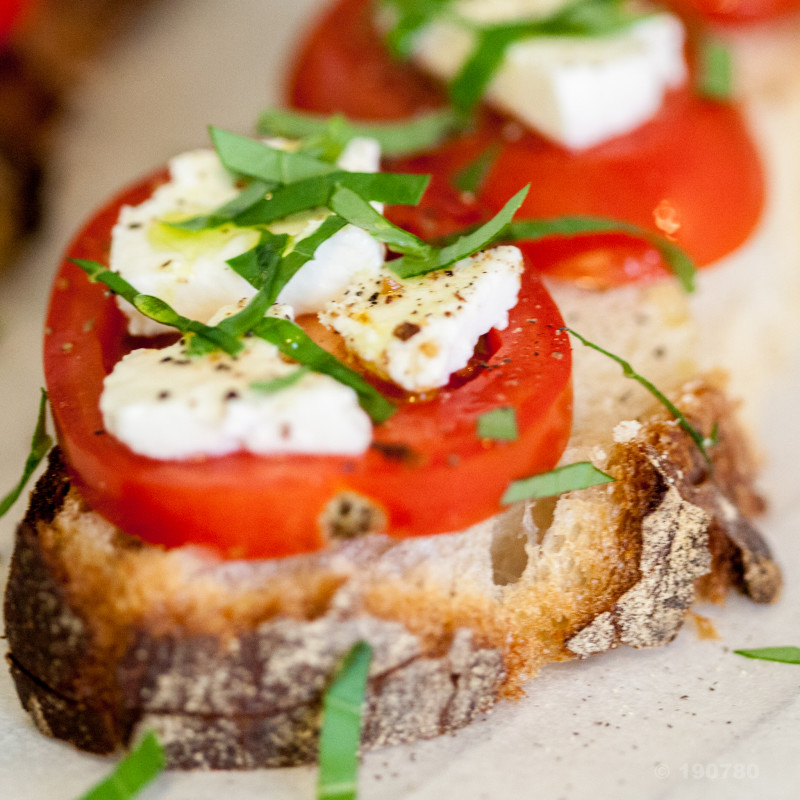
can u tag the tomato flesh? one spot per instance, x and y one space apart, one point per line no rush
672 175
429 472
737 10
11 14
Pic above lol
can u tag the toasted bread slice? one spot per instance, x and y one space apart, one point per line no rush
227 661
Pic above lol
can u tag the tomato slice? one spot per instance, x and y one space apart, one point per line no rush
737 10
11 13
672 175
428 470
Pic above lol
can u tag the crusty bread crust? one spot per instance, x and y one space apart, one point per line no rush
228 661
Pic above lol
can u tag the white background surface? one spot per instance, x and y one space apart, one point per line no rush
624 725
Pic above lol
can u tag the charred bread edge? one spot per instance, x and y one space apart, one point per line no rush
214 704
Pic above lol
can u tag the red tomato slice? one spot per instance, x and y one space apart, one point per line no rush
737 10
11 12
430 472
672 175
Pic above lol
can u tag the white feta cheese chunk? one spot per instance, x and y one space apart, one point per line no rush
417 332
164 405
188 270
576 91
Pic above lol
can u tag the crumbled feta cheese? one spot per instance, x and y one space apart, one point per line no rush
577 91
188 270
165 405
417 332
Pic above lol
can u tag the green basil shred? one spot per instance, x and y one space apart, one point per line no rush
440 258
340 734
40 445
156 309
331 134
472 176
676 259
133 773
359 212
785 655
569 478
702 442
281 383
499 423
294 342
715 70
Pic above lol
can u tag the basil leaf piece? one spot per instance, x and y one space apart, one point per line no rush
702 442
382 187
472 176
407 266
304 251
274 278
422 132
340 734
133 773
499 423
156 309
474 77
569 478
411 17
256 264
244 156
40 445
715 69
294 342
786 655
283 382
360 213
678 261
248 197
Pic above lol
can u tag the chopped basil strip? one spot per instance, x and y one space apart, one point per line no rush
569 478
715 72
411 17
360 213
40 445
472 177
248 197
156 309
499 423
294 342
676 259
382 187
422 132
786 655
340 734
474 77
464 246
133 773
276 274
256 264
303 252
702 442
245 156
278 384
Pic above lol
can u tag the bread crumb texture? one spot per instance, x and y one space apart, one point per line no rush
228 661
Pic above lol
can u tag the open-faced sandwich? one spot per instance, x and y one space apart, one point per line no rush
287 425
